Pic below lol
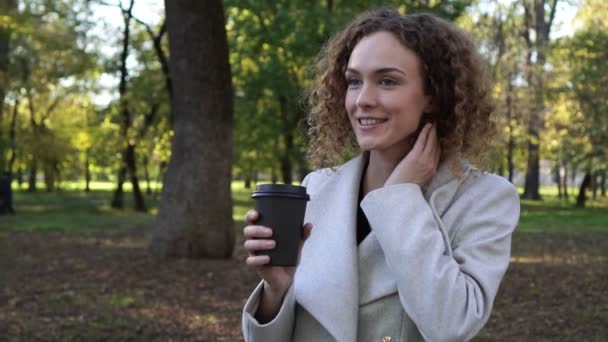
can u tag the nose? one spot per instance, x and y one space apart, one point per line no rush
367 96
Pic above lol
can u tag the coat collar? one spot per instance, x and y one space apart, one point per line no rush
326 283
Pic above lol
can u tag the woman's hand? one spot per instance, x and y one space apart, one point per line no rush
420 164
277 279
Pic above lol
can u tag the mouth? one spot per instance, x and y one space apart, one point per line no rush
370 121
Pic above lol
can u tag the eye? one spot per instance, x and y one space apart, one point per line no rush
353 82
387 82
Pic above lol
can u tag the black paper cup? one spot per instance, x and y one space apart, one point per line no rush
281 207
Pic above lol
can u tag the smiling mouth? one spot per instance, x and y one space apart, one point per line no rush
370 122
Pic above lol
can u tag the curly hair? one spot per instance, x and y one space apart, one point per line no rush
453 76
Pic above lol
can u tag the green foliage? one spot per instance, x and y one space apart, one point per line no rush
273 47
589 76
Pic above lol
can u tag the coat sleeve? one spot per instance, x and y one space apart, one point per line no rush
447 288
280 329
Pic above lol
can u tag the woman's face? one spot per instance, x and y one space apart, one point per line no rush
385 96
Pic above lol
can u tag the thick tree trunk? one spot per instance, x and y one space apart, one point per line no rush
582 192
195 209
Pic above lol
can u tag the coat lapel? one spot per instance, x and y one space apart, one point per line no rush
375 278
326 283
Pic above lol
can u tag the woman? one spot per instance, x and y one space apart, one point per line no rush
410 241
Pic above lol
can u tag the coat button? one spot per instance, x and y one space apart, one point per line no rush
387 339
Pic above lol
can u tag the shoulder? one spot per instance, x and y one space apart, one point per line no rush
487 184
316 180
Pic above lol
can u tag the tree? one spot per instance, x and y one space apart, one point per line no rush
536 32
195 210
273 45
6 7
589 76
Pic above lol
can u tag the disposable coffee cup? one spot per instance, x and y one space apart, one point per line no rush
281 207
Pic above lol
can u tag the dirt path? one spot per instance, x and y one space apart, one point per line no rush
103 287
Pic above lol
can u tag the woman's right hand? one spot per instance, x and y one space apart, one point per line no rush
277 279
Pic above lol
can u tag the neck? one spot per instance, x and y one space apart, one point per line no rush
380 166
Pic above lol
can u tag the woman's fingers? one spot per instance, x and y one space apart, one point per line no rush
259 245
258 260
432 141
256 232
251 216
421 141
306 231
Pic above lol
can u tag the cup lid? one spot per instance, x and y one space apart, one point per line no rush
281 190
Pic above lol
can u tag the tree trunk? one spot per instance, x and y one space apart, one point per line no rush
565 179
6 7
87 171
247 181
273 175
557 179
49 176
12 137
19 177
147 176
195 209
287 134
594 185
118 198
511 143
32 176
138 199
535 19
582 195
603 183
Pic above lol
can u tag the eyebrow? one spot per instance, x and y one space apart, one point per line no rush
379 71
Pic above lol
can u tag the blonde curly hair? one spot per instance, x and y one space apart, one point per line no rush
453 76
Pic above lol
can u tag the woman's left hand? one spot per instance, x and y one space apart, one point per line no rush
420 164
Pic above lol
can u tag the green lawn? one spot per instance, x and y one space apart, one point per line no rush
77 211
560 215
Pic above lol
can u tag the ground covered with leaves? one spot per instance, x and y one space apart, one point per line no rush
103 286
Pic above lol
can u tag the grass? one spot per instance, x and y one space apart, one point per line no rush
560 215
77 211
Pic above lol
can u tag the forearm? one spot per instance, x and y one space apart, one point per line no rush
279 328
270 304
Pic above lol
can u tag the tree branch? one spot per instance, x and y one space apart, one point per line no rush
550 22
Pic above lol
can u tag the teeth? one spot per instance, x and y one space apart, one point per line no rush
367 122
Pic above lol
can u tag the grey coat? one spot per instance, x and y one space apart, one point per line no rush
429 269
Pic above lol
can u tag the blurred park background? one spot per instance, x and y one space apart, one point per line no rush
131 136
